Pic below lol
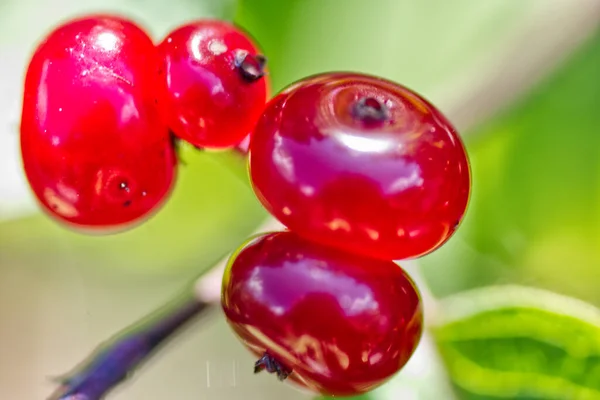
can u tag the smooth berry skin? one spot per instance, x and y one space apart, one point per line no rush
343 324
210 97
362 164
94 150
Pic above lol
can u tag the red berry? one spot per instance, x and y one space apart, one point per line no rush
214 88
94 150
362 164
341 324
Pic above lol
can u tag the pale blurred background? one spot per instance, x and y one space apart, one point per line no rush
520 79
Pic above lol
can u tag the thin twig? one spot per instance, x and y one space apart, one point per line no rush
117 359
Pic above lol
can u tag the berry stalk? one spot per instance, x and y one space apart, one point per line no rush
116 360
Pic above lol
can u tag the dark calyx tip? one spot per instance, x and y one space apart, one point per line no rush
251 66
370 109
272 366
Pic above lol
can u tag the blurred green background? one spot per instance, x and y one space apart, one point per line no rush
520 80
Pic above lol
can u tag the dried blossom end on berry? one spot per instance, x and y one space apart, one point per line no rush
271 365
370 110
251 67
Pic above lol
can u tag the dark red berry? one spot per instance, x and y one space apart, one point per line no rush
362 164
214 87
337 323
93 147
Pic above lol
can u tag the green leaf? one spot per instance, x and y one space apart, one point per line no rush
519 343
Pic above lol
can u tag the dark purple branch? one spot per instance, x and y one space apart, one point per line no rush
116 360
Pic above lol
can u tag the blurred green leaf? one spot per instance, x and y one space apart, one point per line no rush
535 210
519 343
439 48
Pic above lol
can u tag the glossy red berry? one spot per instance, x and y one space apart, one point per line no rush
362 164
214 84
341 324
94 150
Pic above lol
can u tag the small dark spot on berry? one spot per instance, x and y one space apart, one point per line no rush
455 226
54 206
127 203
251 67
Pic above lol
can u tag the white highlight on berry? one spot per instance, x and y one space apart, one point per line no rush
195 46
283 160
107 40
365 144
307 190
217 47
406 182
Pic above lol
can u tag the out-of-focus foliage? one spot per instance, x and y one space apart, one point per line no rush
535 210
520 343
429 45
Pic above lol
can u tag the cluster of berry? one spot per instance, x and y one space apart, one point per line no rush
362 171
102 104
